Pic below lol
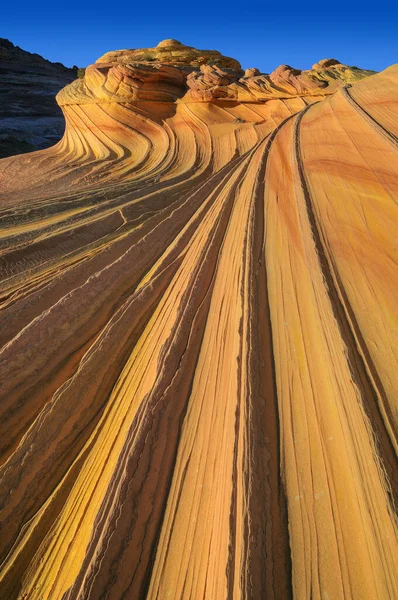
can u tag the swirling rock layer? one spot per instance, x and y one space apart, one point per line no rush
198 338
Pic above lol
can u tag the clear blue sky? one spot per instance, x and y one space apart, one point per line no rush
259 34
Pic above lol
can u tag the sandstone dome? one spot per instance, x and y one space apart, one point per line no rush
169 43
171 52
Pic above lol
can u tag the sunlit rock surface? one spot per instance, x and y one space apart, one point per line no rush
199 336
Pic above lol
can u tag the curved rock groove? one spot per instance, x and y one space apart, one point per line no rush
198 342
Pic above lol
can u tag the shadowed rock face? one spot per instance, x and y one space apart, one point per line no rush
30 118
198 352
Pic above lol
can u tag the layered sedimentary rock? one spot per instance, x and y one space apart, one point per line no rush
171 52
198 336
30 118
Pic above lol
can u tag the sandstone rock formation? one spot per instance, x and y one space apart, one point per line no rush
30 118
198 336
171 52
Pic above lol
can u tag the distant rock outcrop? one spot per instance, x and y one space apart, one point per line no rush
30 118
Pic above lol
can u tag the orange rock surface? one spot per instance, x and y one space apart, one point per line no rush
199 336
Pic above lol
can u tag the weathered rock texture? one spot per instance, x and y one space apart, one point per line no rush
198 337
30 118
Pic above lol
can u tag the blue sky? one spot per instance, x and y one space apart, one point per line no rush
259 34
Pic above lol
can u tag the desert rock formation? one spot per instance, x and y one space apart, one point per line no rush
199 336
30 118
